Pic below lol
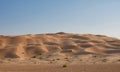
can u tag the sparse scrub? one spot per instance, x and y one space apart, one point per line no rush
66 58
53 60
57 59
99 56
9 59
64 66
33 56
94 56
118 60
80 59
104 60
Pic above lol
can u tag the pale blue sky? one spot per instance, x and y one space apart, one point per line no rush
46 16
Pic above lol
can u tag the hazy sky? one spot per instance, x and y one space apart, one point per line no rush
44 16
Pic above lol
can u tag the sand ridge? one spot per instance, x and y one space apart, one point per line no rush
27 46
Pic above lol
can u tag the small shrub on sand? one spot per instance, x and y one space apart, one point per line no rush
9 59
53 60
33 56
57 59
81 60
118 60
104 60
64 66
66 58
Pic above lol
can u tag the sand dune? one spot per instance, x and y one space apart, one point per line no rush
27 46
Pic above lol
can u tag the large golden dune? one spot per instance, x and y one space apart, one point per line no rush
27 46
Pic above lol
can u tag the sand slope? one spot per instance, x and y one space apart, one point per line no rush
28 46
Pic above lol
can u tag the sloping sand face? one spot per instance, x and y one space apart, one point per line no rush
27 46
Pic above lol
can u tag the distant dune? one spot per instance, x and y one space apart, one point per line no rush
62 44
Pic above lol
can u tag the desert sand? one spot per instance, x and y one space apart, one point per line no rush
59 68
49 52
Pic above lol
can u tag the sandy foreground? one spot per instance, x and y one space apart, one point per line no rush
85 63
59 68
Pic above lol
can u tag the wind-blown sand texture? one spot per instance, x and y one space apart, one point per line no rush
57 49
